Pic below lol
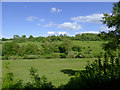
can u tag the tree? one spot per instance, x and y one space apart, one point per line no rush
113 36
23 36
65 47
10 48
16 37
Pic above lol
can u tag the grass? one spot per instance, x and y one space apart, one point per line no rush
0 73
49 67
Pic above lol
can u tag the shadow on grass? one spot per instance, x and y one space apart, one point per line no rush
70 72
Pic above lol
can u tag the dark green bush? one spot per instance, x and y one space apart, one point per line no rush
77 48
62 55
96 75
5 57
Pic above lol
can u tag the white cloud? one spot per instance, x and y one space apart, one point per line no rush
94 32
62 33
94 18
106 29
50 33
31 18
59 10
53 10
50 24
1 36
70 26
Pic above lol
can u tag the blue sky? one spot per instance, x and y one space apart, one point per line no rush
53 18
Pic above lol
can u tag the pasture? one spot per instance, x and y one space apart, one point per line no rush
51 68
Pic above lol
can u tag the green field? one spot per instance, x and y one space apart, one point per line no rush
51 68
0 73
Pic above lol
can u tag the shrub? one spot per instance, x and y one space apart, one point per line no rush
96 55
31 57
11 83
77 48
14 57
46 56
5 57
79 55
71 55
38 82
62 55
56 55
87 56
96 75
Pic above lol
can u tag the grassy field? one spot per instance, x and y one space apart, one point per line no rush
0 73
51 68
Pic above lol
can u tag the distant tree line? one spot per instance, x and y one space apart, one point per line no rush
52 38
65 49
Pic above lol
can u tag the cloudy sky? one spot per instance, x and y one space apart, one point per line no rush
53 18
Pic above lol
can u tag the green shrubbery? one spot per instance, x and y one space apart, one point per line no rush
10 82
71 55
31 57
62 55
97 75
14 57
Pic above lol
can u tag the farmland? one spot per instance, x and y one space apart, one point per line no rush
51 68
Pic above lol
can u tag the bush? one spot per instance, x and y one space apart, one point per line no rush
79 55
56 55
96 55
77 48
96 75
87 56
5 57
46 56
62 55
31 57
14 57
71 55
11 83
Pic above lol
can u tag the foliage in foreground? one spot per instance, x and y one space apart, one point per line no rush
10 82
97 75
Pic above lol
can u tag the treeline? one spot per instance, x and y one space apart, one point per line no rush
80 37
65 49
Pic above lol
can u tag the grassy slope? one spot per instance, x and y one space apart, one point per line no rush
51 67
48 67
94 45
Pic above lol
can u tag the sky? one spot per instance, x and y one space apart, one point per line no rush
53 18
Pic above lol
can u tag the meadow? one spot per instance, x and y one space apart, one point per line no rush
51 68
